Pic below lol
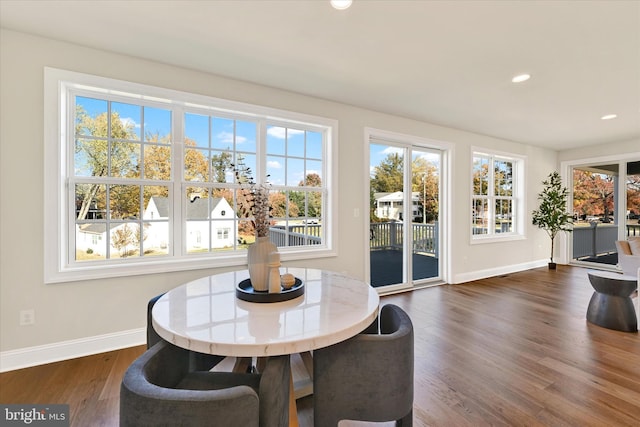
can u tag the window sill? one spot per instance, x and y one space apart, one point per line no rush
165 265
497 239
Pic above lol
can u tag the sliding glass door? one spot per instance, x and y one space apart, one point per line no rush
404 225
606 208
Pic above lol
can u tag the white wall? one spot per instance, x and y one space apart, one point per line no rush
621 148
80 310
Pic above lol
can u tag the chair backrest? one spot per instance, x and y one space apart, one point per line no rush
149 395
152 336
368 377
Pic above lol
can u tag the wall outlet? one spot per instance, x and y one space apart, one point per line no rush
27 317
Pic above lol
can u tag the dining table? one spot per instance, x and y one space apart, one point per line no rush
212 315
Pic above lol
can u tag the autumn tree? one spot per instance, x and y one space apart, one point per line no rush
122 238
425 181
633 194
196 166
593 193
278 203
102 148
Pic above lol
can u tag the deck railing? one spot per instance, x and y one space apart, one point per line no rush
389 235
598 238
296 235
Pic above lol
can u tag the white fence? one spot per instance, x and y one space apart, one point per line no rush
388 235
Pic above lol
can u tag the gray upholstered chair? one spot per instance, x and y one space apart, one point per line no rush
368 377
158 389
198 361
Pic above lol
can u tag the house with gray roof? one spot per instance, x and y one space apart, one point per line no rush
211 223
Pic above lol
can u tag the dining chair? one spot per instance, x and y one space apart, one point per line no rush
368 377
199 361
159 389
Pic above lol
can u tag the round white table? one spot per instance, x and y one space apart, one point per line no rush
206 316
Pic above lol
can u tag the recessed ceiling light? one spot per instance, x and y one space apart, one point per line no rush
521 78
609 117
341 4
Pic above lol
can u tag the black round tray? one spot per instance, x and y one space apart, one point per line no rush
245 291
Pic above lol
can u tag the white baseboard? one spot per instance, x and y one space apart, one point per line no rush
55 352
492 272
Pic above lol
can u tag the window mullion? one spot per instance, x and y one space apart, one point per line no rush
261 150
177 224
491 198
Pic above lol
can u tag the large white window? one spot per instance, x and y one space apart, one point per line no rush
497 205
142 179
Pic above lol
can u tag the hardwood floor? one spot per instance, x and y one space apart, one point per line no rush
513 350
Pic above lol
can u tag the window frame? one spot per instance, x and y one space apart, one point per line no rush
518 197
58 220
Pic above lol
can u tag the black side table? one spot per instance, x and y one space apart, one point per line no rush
611 306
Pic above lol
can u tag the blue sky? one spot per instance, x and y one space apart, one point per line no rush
291 153
378 152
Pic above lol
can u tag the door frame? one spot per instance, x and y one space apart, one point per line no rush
445 210
565 247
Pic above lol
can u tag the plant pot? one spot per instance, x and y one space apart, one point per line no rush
258 263
552 266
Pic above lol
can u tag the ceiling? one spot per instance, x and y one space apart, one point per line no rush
444 62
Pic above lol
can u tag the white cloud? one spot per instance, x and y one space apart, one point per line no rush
278 132
128 121
431 157
392 150
227 138
274 164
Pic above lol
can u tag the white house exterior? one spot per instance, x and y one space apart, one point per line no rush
217 227
93 237
389 205
208 225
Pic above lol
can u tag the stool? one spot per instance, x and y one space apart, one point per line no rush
611 306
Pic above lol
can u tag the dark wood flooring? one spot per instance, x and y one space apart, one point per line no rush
513 350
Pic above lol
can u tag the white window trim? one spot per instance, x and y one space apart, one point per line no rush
520 209
56 221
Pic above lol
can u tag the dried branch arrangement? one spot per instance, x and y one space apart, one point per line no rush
253 199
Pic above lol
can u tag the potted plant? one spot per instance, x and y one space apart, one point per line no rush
552 215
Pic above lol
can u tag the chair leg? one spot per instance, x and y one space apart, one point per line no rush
406 421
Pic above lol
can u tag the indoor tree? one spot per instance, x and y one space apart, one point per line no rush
552 215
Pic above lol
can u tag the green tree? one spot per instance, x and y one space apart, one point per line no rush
220 164
388 175
308 203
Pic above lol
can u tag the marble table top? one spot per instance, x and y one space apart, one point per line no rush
206 316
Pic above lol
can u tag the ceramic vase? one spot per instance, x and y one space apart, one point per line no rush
258 263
